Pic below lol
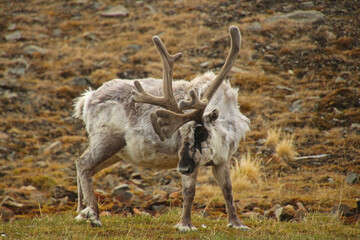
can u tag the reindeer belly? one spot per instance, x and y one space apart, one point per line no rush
148 157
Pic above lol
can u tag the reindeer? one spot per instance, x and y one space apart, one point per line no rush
190 124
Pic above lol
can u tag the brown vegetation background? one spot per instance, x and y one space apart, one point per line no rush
298 76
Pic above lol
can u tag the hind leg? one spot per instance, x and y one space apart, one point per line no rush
102 147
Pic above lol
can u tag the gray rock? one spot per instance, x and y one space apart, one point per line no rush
18 71
352 178
311 16
40 164
278 212
6 213
117 11
125 196
53 147
13 36
11 95
122 193
169 189
296 106
254 27
11 27
30 49
355 126
204 64
157 208
340 209
285 213
121 187
270 212
81 81
300 214
110 180
57 32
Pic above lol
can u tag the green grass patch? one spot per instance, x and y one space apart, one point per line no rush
64 226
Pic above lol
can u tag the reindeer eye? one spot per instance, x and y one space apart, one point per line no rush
201 134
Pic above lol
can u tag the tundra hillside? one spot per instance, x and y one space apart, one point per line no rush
298 80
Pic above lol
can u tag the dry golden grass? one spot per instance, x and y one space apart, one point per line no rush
273 138
285 148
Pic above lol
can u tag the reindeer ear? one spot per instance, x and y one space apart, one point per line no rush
214 115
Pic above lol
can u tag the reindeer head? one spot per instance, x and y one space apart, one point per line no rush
196 128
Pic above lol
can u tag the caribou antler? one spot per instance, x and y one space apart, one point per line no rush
167 101
166 122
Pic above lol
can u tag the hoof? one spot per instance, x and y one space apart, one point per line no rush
80 218
95 223
89 214
240 226
182 227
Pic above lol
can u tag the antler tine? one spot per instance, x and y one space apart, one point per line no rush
167 101
195 102
230 60
166 122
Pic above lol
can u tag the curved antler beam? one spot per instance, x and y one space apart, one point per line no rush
167 101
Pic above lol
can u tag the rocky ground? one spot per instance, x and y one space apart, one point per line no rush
298 72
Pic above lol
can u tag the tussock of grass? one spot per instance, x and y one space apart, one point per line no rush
273 137
246 173
285 149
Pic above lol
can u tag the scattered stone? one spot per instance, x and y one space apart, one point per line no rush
13 36
117 11
285 213
135 175
270 58
355 126
134 47
40 164
81 81
352 178
109 179
284 88
28 188
31 49
169 189
61 192
52 148
120 188
6 168
12 27
157 208
251 214
6 214
311 16
340 209
270 212
205 64
254 27
296 106
247 204
122 193
17 71
3 135
300 214
339 79
176 194
11 96
57 32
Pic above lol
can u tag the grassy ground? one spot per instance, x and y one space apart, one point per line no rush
64 226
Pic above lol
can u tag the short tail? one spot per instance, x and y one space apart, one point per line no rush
79 104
